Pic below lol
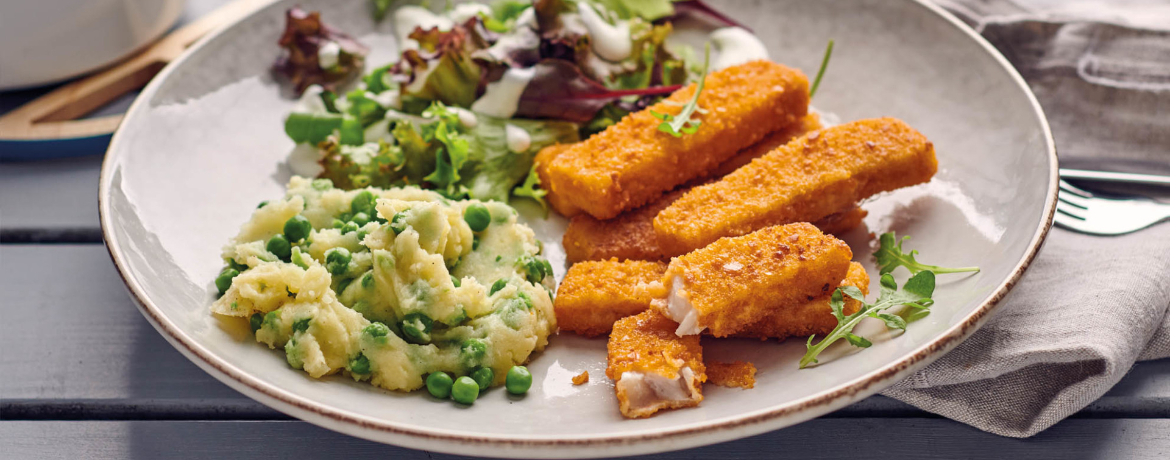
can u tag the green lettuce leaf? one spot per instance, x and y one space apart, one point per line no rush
311 128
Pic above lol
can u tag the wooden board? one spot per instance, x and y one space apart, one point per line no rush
868 438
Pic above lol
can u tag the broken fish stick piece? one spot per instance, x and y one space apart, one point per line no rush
736 374
542 160
808 124
595 294
631 163
802 181
811 317
652 368
734 282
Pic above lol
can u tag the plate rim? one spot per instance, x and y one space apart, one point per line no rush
658 440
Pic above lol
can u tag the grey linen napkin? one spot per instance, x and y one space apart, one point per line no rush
1088 307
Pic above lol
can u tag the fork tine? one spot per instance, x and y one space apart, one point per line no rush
1068 210
1073 199
1067 187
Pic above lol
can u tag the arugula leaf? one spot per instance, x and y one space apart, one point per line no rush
311 128
915 295
821 72
677 125
531 189
890 256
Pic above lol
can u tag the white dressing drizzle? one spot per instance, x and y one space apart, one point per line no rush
736 46
501 98
464 11
328 55
610 41
517 139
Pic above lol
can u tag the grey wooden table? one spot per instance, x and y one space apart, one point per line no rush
83 375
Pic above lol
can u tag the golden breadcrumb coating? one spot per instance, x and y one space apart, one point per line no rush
629 236
646 344
735 282
631 163
581 379
808 124
543 158
595 294
736 374
810 317
802 181
842 222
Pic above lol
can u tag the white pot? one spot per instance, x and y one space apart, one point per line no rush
43 41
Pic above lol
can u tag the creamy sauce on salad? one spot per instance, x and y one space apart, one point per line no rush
736 46
610 41
501 98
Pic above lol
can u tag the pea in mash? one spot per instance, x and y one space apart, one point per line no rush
389 285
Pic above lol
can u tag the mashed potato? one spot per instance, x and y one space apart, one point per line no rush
390 285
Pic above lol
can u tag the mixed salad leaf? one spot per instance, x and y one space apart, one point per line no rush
427 118
914 297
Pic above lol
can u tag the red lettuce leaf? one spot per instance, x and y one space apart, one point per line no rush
303 36
560 90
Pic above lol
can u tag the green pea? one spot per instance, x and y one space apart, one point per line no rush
518 381
533 269
256 320
350 227
345 216
398 222
417 327
301 325
343 285
293 355
224 281
279 245
262 204
360 218
360 364
496 286
465 390
472 352
338 224
337 260
299 258
484 377
459 317
548 270
368 280
475 243
322 184
527 301
236 266
297 228
377 331
362 307
364 201
456 281
439 385
478 217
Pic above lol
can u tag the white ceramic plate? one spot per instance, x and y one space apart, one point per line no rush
204 143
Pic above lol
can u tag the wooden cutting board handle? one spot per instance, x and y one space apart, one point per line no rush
54 115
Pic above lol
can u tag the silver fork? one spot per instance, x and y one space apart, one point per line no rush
1083 212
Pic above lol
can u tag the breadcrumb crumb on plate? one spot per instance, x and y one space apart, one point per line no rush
736 374
581 379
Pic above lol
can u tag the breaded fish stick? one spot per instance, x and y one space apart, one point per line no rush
631 235
652 368
631 163
810 317
595 294
811 122
803 181
543 158
735 282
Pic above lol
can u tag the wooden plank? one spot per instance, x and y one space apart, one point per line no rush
902 439
75 347
50 195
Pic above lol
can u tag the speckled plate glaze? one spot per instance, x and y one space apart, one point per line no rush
204 143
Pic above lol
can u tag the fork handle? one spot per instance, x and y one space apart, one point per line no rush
1110 176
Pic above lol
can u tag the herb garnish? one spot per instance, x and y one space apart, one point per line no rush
915 295
889 256
677 125
821 72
